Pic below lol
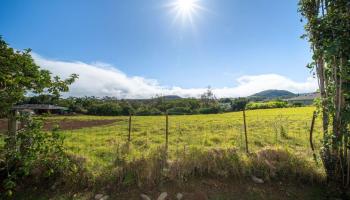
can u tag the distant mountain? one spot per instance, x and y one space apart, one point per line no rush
171 97
272 94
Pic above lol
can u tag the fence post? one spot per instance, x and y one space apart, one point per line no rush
129 136
166 130
311 133
245 131
12 127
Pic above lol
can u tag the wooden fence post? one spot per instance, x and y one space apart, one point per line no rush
311 133
245 131
12 127
129 136
166 130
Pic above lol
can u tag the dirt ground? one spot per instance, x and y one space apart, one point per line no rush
65 124
211 189
200 189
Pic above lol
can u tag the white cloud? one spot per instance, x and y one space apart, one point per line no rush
101 79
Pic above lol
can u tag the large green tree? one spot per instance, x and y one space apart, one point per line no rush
19 75
328 31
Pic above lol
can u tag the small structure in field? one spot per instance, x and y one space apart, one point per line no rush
40 109
304 99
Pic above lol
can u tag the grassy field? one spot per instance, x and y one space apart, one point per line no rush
287 128
199 146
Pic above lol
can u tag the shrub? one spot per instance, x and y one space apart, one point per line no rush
179 111
266 105
145 111
209 110
239 104
32 152
108 109
297 104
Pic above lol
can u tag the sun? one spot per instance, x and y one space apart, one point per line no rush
185 6
185 9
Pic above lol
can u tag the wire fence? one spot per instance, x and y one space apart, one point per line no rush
103 144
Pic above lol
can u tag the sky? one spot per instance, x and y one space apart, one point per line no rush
143 48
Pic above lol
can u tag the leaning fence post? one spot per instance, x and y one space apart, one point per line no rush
311 132
129 136
166 130
245 131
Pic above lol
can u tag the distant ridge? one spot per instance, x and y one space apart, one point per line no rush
272 94
171 97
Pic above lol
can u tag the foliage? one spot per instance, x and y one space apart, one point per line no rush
34 153
19 75
144 111
179 111
239 104
107 109
100 106
266 105
328 31
209 110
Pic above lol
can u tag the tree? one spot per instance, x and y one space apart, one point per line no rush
19 75
328 31
208 98
239 104
30 147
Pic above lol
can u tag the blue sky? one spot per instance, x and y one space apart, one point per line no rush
228 41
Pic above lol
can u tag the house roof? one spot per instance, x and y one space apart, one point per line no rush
38 107
303 97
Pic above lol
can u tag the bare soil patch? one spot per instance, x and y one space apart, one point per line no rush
66 124
77 124
213 189
199 189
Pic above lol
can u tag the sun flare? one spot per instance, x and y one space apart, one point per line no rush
186 9
185 6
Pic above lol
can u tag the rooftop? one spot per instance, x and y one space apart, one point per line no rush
38 107
301 97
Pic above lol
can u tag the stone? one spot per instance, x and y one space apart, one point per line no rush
179 196
105 197
162 196
98 196
257 180
144 197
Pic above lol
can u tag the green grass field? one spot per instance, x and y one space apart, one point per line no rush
286 128
204 144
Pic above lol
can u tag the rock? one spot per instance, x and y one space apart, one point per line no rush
144 197
98 196
162 196
179 196
54 186
104 197
257 180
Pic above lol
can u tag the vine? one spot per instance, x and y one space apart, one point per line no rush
328 31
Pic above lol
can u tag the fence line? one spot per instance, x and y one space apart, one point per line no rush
202 133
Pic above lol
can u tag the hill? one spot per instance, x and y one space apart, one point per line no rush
272 94
171 97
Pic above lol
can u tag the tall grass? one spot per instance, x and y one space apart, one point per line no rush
102 148
286 128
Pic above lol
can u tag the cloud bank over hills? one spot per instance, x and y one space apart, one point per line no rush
101 79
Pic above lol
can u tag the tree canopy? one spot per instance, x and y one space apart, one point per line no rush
19 75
